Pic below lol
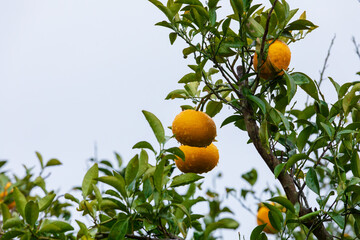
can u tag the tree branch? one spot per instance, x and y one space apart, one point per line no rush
271 161
357 46
130 236
326 60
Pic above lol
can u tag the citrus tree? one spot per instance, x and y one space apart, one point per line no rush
242 62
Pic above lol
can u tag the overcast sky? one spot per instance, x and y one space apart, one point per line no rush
73 73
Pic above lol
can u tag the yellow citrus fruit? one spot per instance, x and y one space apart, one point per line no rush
277 60
263 217
198 159
194 128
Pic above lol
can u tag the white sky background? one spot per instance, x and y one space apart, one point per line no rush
77 72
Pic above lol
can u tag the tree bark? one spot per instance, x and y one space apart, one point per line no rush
271 161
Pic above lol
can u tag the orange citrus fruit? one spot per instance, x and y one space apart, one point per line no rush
194 128
198 159
277 60
3 194
263 217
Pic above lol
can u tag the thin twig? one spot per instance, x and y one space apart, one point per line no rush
326 60
266 29
262 46
357 46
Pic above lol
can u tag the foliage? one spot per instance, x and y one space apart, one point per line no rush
309 149
140 200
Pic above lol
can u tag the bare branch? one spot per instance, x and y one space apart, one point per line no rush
266 28
326 60
261 53
357 46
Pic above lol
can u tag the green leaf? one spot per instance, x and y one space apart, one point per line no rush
183 209
190 77
198 17
255 234
46 201
213 3
345 87
5 212
116 182
190 2
237 6
2 163
300 78
309 216
88 180
291 86
254 28
172 37
13 222
327 129
189 50
143 163
231 119
12 234
260 103
158 175
118 158
278 169
98 195
144 144
55 227
39 181
53 162
284 202
355 164
340 220
275 216
251 176
71 198
132 169
312 181
178 93
284 120
31 212
226 223
213 108
164 24
83 229
20 201
119 229
156 126
336 85
264 135
162 8
185 179
225 26
295 158
147 188
192 88
307 84
280 12
304 137
300 24
275 220
348 99
176 151
323 200
39 156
